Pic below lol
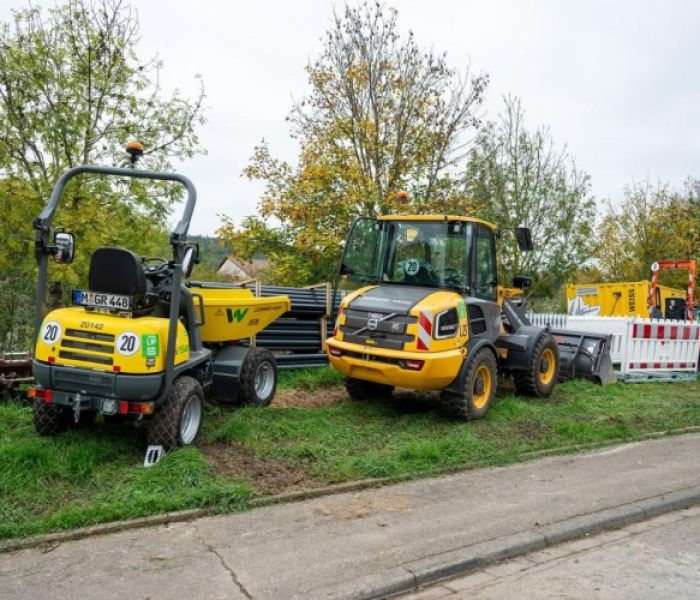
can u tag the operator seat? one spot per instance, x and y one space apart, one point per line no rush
118 271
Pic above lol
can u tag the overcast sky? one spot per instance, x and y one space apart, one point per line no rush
617 82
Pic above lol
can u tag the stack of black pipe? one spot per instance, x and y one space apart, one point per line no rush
295 337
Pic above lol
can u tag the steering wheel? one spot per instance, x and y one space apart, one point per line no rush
155 265
448 275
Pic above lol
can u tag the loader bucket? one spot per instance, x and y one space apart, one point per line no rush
584 355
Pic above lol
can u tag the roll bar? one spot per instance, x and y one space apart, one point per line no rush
42 231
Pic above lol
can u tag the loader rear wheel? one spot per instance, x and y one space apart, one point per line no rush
178 421
359 389
258 380
540 378
479 389
49 419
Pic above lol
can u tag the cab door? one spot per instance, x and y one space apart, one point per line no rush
482 306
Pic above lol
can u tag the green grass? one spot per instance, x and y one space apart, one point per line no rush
95 475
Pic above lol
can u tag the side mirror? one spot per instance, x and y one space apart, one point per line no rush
189 259
64 244
524 237
521 282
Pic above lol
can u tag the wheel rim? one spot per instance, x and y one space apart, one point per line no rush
482 387
191 418
264 381
548 366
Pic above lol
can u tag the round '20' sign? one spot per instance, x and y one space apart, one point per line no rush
128 343
51 332
412 266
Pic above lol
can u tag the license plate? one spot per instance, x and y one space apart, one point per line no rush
100 300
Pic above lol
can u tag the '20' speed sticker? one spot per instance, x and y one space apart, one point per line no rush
128 343
51 332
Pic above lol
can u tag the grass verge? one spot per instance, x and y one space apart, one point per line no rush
95 475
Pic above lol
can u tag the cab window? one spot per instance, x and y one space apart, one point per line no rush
486 275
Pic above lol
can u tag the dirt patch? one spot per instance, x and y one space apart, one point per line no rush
361 506
296 398
268 476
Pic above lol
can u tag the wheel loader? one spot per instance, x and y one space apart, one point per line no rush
423 310
138 343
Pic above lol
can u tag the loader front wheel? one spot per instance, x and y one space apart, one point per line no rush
540 378
359 389
479 389
258 380
178 421
49 419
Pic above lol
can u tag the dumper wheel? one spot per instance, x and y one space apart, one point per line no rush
479 389
178 421
258 379
50 419
358 389
541 376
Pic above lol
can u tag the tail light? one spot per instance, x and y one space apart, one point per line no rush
41 394
144 408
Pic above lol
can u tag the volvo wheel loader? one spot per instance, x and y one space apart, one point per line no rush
423 310
140 343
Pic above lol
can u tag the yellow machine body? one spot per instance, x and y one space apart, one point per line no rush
440 359
624 299
235 313
76 337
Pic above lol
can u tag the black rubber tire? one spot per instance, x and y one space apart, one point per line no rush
49 419
529 382
359 389
464 406
164 425
256 359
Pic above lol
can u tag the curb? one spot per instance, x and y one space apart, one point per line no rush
417 574
51 539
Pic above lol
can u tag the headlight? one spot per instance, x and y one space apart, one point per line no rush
446 324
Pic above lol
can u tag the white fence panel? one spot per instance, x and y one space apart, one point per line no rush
617 326
656 346
554 320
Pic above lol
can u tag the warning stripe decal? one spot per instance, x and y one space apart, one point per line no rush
665 366
647 331
425 330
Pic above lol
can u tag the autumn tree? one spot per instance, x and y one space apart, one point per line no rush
73 91
518 176
653 222
381 115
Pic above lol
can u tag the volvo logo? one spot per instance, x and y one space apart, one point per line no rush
372 324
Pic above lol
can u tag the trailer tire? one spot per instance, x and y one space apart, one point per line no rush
359 389
178 421
258 379
540 379
480 382
49 419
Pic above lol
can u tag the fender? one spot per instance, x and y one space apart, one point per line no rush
473 346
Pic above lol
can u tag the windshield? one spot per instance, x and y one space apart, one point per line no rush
422 253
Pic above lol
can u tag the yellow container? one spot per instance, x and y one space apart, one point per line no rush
625 299
235 313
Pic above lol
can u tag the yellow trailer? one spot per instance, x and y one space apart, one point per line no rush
623 299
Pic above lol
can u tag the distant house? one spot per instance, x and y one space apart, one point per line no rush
237 269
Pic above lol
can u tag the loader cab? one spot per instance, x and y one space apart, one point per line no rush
440 252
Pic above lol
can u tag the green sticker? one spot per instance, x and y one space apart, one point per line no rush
462 309
150 345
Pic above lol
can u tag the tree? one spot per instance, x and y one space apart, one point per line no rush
381 115
73 91
516 176
652 223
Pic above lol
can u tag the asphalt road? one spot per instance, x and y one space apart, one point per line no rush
654 559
